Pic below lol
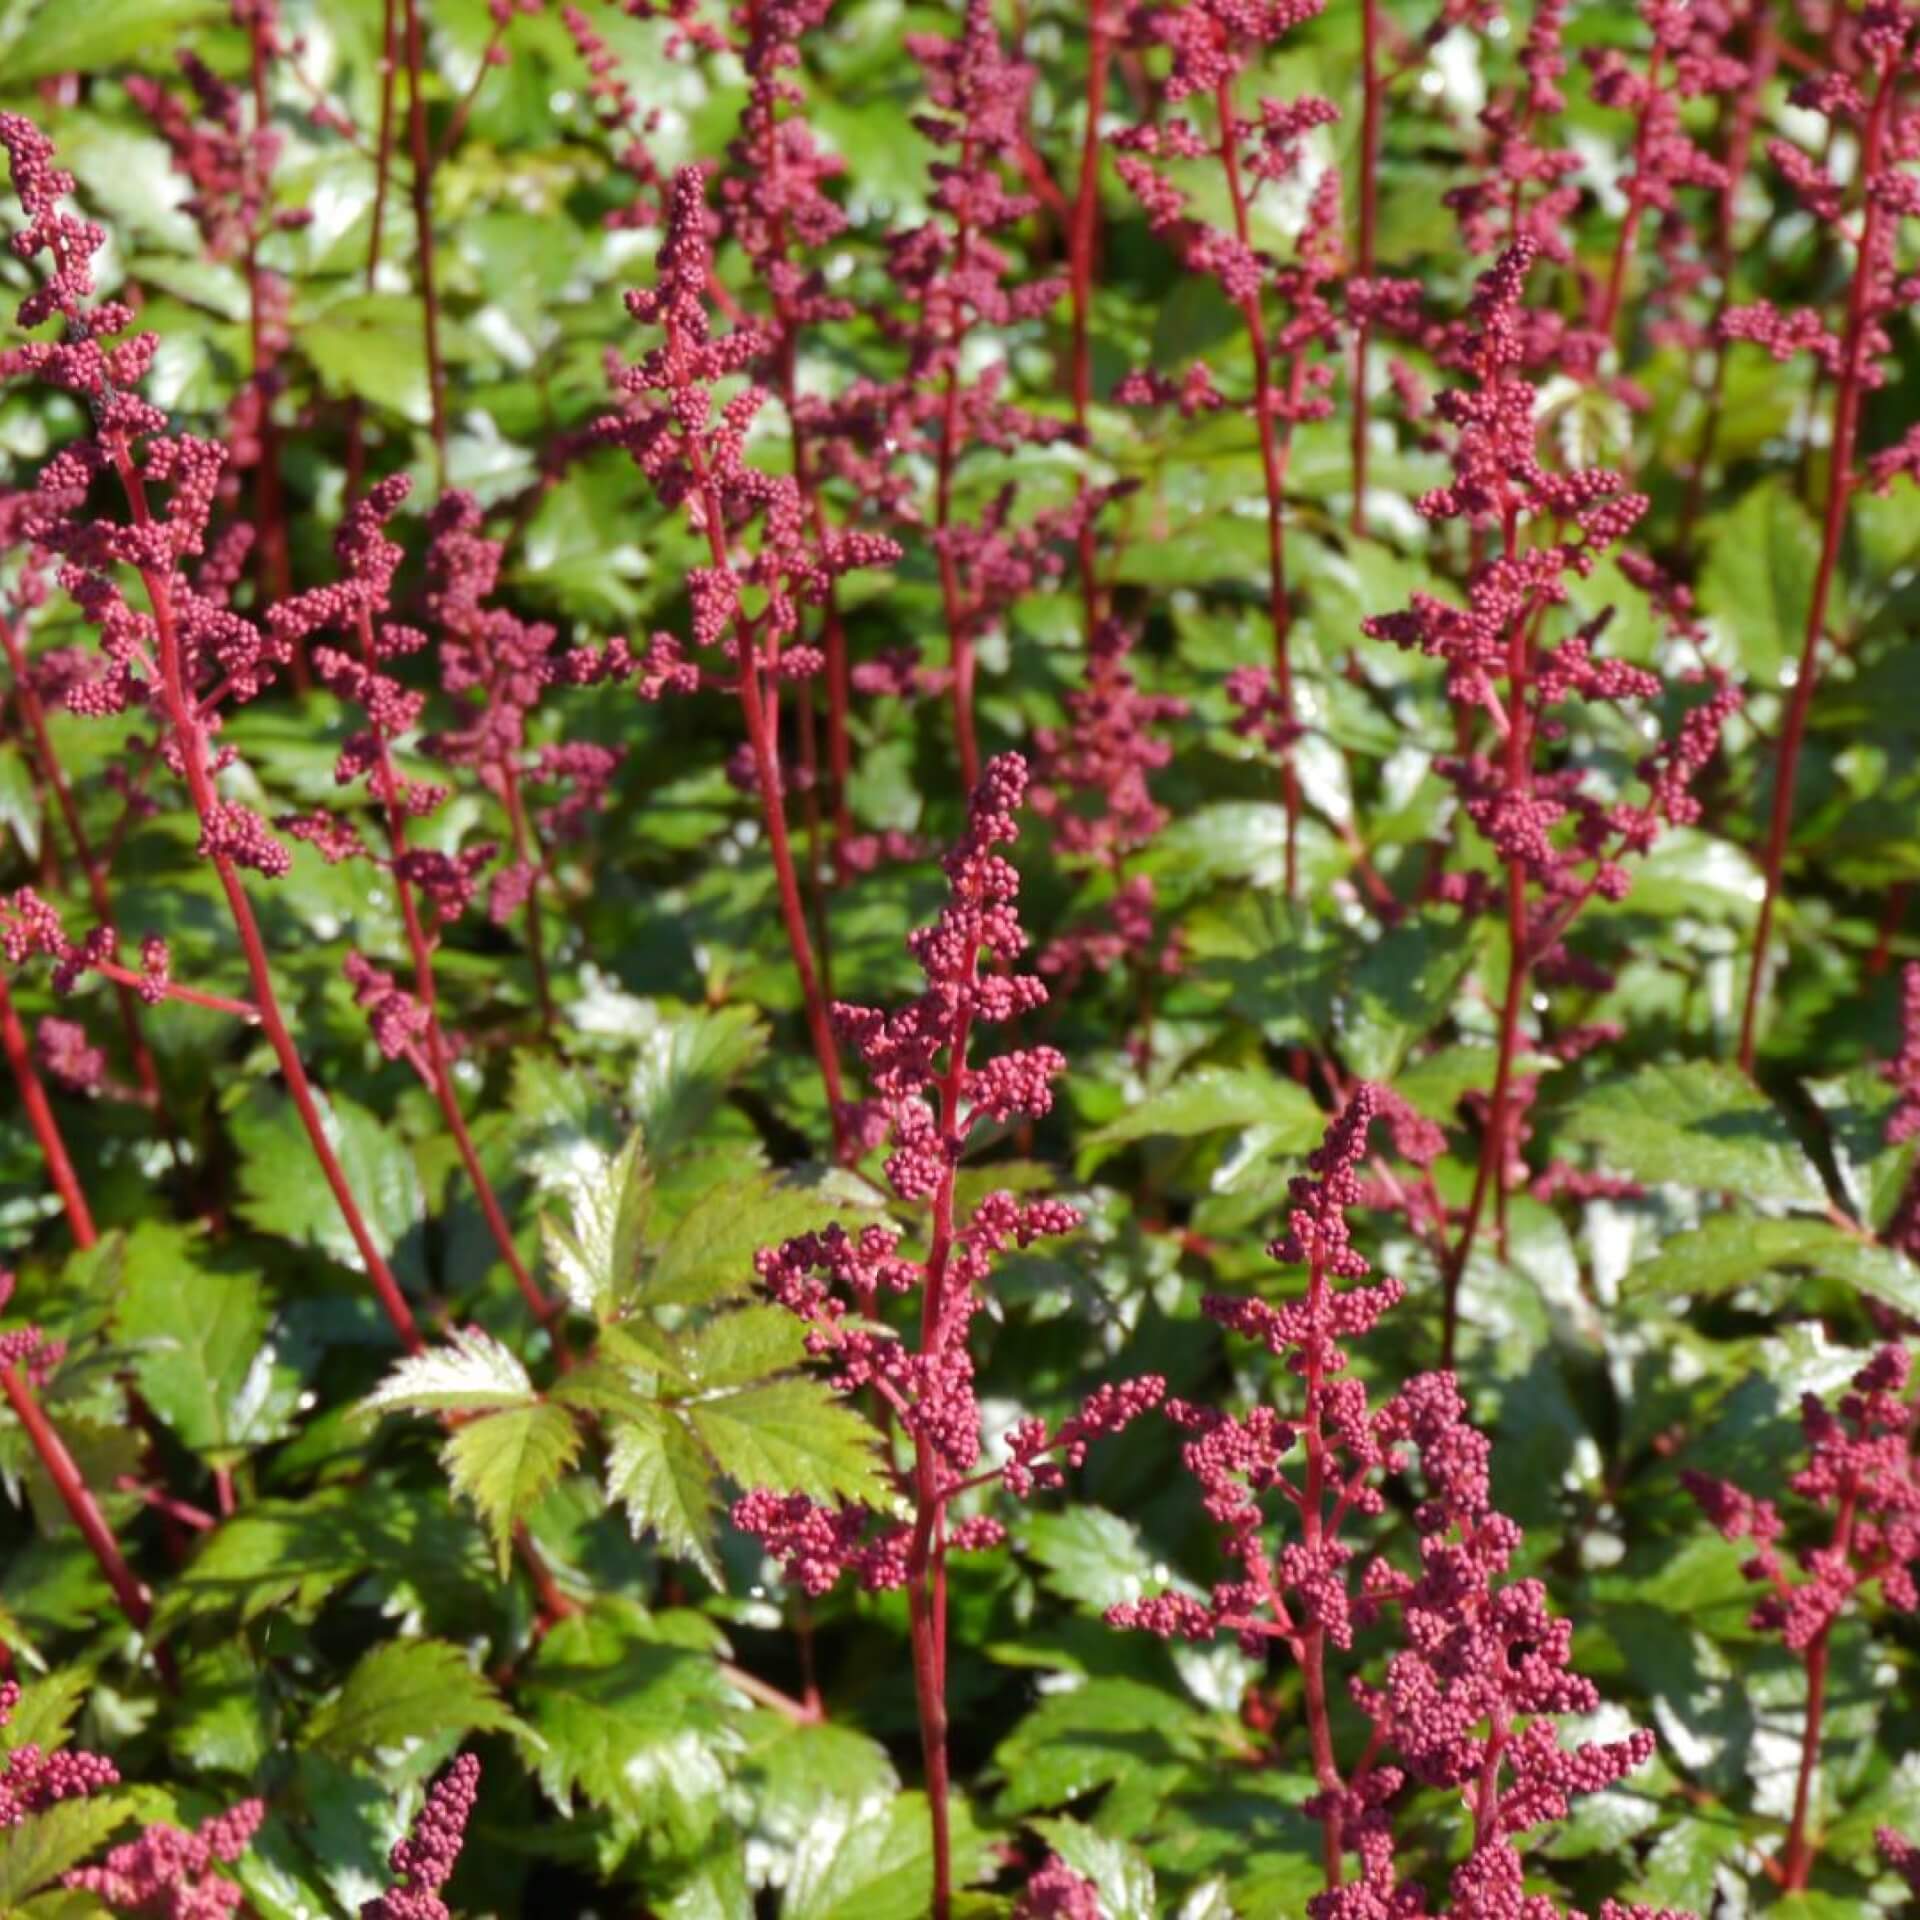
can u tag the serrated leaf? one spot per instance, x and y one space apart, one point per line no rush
285 1193
45 1845
595 1254
1212 1098
688 1059
709 1254
506 1462
1120 1873
1397 993
1696 1124
1092 1557
101 36
472 1373
1757 585
406 1691
859 1860
735 1348
1728 1250
657 1471
201 1348
637 1727
794 1436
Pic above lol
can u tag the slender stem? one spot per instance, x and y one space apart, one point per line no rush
40 1117
926 1560
1313 1640
464 111
77 1498
439 1074
1840 483
1608 316
1273 472
190 737
1083 235
382 174
1370 84
33 711
526 850
270 520
421 181
1797 1865
766 763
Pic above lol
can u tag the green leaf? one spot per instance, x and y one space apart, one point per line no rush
862 1860
1119 1872
1730 1249
402 1692
1698 1124
1211 1098
1092 1737
1402 986
688 1060
101 35
43 1846
19 802
709 1254
370 346
794 1436
472 1373
735 1348
202 1352
286 1194
1092 1557
657 1471
506 1462
639 1728
1757 586
595 1255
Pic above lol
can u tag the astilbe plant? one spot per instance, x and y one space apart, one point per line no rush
1559 842
691 447
930 1101
1479 1671
1862 1475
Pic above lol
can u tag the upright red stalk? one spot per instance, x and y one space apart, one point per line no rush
959 632
77 1498
1841 480
439 1074
1370 90
421 183
382 174
40 1117
182 716
33 711
1273 475
270 518
527 851
1083 233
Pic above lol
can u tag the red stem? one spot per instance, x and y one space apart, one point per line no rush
766 763
1313 1640
77 1498
421 176
1840 481
527 851
40 1117
1363 265
189 735
382 173
1797 1865
33 711
1273 472
439 1076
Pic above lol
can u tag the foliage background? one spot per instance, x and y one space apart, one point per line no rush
346 1629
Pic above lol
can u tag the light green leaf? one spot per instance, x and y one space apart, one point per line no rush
101 35
403 1692
506 1462
1212 1098
656 1470
794 1436
753 1343
1404 983
1698 1124
371 346
1730 1249
45 1845
595 1255
709 1254
19 802
1757 585
688 1059
203 1355
862 1860
472 1373
1119 1872
1092 1557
